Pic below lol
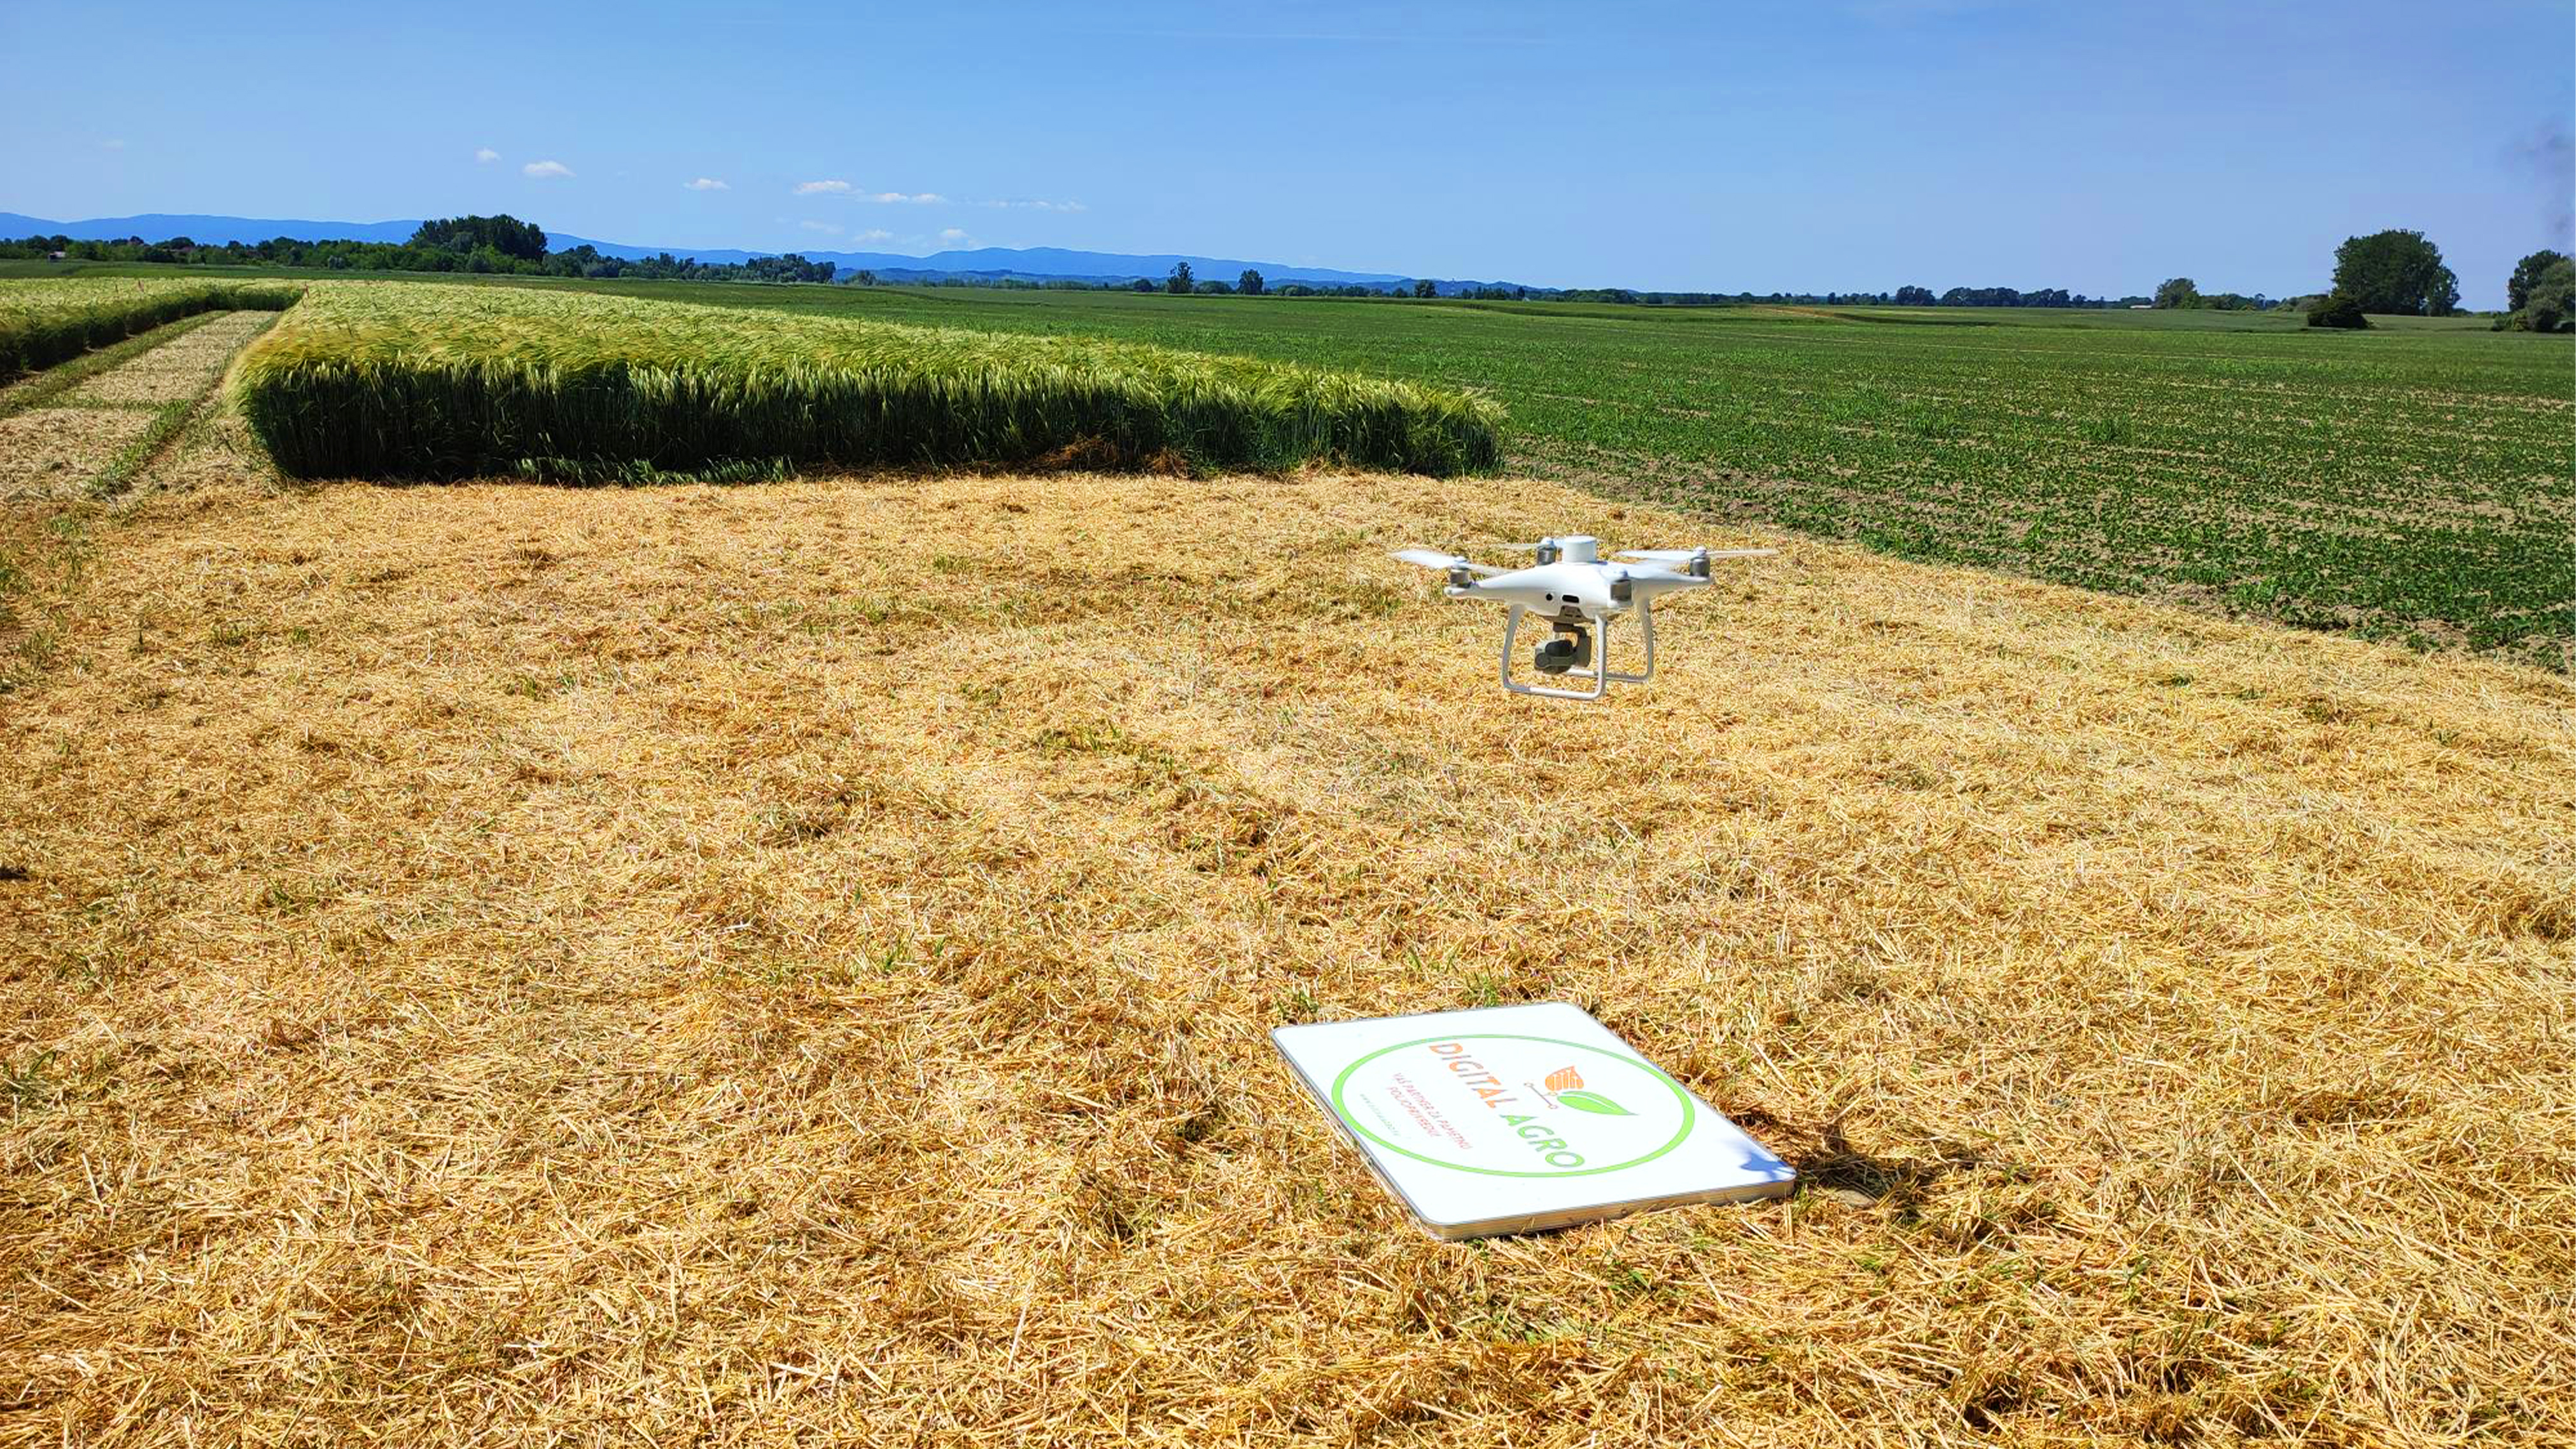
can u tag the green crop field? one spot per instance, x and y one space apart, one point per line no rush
2411 482
393 380
43 322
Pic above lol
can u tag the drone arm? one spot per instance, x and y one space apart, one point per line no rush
1693 560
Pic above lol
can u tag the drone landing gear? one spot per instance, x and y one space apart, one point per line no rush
1572 653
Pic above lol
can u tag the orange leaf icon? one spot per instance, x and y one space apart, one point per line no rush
1562 1078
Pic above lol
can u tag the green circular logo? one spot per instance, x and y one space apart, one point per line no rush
1591 1106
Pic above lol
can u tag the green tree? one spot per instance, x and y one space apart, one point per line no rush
2398 273
2178 292
1178 283
507 235
1249 284
2517 291
1424 288
2550 305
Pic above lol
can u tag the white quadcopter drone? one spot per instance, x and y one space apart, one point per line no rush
1578 595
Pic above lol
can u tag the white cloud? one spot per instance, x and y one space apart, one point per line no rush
543 169
828 228
890 198
706 183
485 155
874 233
114 143
1036 205
953 234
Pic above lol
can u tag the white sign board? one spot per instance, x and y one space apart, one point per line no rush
1515 1119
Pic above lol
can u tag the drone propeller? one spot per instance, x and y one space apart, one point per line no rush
1432 558
1685 555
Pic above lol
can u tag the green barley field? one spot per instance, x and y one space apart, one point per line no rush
402 381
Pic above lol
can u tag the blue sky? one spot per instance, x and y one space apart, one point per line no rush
2095 146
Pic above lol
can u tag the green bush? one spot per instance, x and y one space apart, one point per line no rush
2337 310
425 382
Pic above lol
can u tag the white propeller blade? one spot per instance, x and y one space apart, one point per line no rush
1432 558
1685 555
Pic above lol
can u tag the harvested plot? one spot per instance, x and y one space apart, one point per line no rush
793 964
45 322
99 432
179 372
54 452
414 381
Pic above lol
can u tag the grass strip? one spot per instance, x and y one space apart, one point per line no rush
418 382
168 421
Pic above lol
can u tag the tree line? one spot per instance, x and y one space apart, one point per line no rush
2400 273
2390 273
481 245
1182 282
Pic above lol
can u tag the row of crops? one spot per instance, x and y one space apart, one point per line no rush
421 381
45 322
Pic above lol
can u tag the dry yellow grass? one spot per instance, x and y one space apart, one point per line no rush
500 964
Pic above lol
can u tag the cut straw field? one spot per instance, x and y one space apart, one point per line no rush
410 381
506 964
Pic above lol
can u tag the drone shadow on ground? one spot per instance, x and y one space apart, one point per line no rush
1826 1161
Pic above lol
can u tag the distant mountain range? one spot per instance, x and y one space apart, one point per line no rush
1035 264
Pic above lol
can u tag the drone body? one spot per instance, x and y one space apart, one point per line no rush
1578 594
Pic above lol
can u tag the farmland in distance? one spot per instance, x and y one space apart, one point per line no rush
2410 483
801 956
